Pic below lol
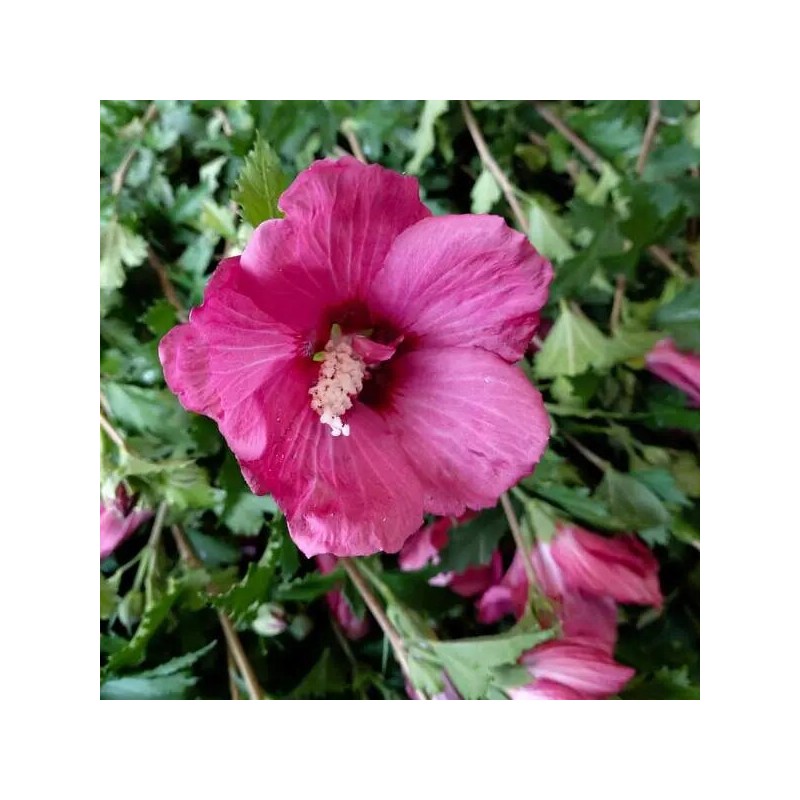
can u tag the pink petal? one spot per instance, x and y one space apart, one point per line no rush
471 424
354 627
424 546
347 496
590 619
475 580
464 280
622 568
341 219
579 666
682 370
116 526
218 361
545 690
509 597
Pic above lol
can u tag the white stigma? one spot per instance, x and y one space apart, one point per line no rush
341 377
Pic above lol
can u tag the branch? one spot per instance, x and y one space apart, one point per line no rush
519 539
118 178
166 285
231 637
649 135
373 604
616 308
112 433
595 161
488 161
349 134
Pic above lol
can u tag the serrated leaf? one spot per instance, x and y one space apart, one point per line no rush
630 501
241 601
577 504
177 664
136 687
573 346
309 587
473 542
246 515
160 317
261 183
216 218
189 487
326 677
681 317
120 247
424 139
626 345
485 193
470 662
547 233
135 650
108 598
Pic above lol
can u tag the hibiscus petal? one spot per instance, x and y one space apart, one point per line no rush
464 280
341 219
582 667
346 495
471 424
220 359
622 568
545 690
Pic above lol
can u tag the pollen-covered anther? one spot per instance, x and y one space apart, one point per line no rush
341 377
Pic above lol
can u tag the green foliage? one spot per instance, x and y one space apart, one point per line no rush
183 183
261 183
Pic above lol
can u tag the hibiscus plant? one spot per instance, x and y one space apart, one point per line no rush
399 400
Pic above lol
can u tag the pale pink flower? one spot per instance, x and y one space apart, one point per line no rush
359 359
118 520
353 626
682 370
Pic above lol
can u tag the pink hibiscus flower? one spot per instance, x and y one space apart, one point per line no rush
571 670
358 358
682 370
118 520
354 627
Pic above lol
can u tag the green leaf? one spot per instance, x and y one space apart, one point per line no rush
160 317
309 587
241 601
470 662
108 598
178 664
327 677
631 501
547 233
485 193
626 345
147 411
119 247
134 652
578 505
573 346
189 487
681 317
261 183
136 687
413 589
473 542
424 140
246 515
216 218
663 484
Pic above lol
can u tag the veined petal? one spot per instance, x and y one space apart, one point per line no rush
344 495
470 424
463 280
579 666
218 361
545 690
341 219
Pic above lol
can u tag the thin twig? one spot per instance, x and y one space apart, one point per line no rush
660 255
373 604
488 161
519 539
234 689
649 135
166 285
112 432
147 563
355 147
118 178
231 637
616 308
596 161
601 464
